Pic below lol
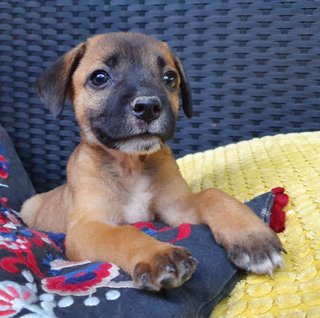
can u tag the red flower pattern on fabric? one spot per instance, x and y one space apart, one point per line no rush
4 167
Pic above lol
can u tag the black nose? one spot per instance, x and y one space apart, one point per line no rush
147 108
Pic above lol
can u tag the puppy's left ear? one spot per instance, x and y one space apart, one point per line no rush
55 84
185 89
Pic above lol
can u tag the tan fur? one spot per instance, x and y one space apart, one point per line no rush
101 182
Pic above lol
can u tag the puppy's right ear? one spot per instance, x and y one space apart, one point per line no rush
54 85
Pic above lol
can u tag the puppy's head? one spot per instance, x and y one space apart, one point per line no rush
124 88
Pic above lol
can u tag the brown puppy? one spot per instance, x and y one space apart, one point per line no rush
124 88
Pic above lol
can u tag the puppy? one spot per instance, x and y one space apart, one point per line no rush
125 91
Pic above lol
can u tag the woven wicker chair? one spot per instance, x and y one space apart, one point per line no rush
253 65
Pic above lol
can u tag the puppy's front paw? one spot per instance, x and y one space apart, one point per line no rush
167 269
258 252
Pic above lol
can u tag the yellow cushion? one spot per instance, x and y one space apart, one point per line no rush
248 169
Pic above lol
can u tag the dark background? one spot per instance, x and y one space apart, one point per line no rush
254 68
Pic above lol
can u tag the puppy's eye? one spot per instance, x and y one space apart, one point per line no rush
98 78
170 79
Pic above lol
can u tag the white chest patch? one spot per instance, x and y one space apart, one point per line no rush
137 209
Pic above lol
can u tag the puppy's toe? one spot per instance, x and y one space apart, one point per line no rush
259 253
167 269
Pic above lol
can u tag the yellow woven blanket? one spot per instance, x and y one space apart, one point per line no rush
248 169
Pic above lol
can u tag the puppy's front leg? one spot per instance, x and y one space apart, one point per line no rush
250 243
151 263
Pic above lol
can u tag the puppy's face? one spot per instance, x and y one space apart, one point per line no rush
124 88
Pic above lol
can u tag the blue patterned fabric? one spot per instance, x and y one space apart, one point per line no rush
37 278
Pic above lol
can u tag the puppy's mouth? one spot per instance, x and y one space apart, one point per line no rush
141 143
140 136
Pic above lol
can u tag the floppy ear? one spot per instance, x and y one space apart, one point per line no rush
185 89
54 85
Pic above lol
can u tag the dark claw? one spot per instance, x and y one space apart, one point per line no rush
145 279
171 268
167 283
186 277
282 249
194 260
186 264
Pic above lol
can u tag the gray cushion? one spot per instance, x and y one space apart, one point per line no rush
17 187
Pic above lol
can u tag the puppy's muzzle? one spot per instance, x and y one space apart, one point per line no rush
147 108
